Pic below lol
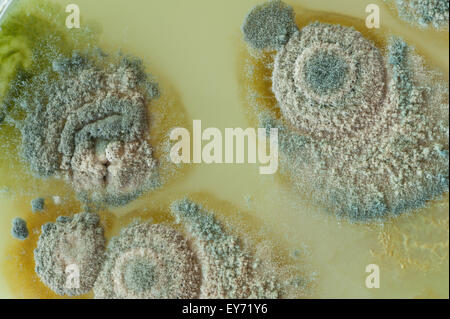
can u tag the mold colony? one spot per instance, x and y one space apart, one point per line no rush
149 261
83 117
70 241
83 114
203 260
365 134
269 26
424 13
355 125
228 268
87 122
19 228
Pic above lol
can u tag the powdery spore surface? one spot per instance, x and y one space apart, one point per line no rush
205 261
365 134
87 121
71 243
424 13
151 262
230 270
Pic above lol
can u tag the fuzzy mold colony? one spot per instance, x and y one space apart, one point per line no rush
82 114
76 241
424 13
365 133
157 261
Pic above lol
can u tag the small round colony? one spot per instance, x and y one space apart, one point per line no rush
149 262
269 26
19 228
86 120
71 244
37 204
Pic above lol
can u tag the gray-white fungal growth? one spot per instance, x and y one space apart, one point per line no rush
365 134
87 121
37 204
149 262
228 269
329 80
424 12
269 26
72 245
19 228
156 261
325 72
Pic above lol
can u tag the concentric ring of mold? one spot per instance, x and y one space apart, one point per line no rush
369 146
424 13
83 114
149 261
86 120
311 96
76 242
205 261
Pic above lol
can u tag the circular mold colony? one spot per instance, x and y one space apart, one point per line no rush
86 121
37 204
424 12
329 82
269 26
76 241
156 261
151 262
366 135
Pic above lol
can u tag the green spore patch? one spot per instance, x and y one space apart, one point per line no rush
37 204
424 13
139 275
269 26
19 228
325 72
